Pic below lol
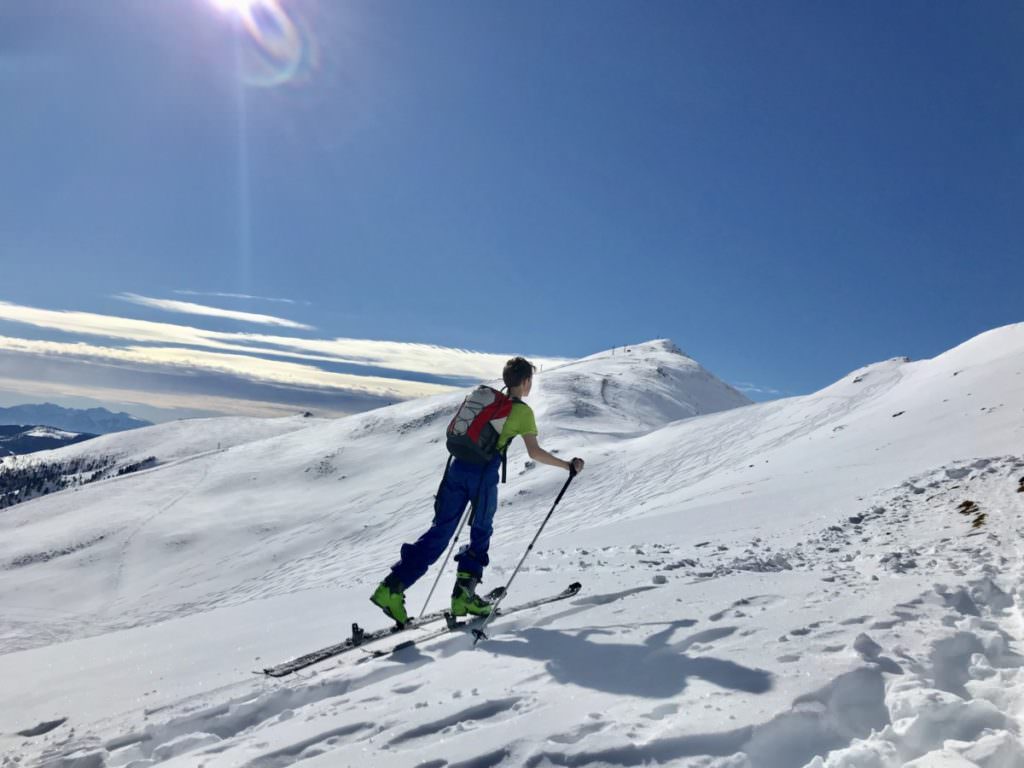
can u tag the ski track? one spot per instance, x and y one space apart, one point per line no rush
125 548
897 705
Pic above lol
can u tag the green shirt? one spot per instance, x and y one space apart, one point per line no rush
520 421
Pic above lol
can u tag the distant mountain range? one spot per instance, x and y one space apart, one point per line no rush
93 421
17 440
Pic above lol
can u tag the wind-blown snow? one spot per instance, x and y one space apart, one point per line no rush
831 580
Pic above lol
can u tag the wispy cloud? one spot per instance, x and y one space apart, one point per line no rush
146 404
422 359
247 366
246 296
757 389
189 308
159 396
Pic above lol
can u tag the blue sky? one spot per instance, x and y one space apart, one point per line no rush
788 190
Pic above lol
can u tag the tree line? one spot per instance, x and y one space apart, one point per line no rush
24 481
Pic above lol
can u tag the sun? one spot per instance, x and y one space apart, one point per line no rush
274 45
235 6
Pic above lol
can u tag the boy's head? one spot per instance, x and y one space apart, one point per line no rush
518 371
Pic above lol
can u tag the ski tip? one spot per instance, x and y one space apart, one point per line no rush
575 587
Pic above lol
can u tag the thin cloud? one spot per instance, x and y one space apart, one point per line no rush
189 308
157 400
246 296
424 359
757 389
254 368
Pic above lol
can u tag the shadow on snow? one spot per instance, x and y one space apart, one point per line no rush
655 669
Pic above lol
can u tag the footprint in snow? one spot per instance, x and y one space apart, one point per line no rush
762 601
403 689
662 711
483 711
886 624
702 641
43 728
578 734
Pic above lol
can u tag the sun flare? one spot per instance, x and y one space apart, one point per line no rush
235 6
276 46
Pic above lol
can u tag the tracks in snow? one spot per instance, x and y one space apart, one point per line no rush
941 662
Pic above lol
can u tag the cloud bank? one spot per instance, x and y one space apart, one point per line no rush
169 365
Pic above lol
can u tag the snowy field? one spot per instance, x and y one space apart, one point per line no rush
831 580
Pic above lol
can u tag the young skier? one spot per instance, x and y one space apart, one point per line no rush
463 483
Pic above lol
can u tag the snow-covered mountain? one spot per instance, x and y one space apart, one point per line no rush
632 391
18 439
830 580
92 421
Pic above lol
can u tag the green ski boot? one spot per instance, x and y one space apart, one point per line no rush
390 598
465 600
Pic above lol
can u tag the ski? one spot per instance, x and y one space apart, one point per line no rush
453 625
358 639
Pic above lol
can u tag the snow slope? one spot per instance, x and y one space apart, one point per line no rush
831 580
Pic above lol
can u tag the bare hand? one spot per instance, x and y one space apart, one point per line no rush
576 465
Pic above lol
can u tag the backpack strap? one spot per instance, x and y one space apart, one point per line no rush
504 460
504 453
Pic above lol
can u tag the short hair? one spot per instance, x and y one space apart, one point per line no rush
517 370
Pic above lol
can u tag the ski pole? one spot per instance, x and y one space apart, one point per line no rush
440 571
471 518
478 634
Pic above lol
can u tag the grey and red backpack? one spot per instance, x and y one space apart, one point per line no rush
474 430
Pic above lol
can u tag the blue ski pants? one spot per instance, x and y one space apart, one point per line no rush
463 484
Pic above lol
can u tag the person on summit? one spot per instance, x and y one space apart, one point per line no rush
471 477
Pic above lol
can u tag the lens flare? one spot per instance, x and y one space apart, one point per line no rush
238 6
277 47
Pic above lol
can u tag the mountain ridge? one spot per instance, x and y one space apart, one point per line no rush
95 421
20 439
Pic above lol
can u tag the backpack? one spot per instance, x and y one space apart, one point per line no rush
474 430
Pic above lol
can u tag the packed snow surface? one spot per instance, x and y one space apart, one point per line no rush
826 581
